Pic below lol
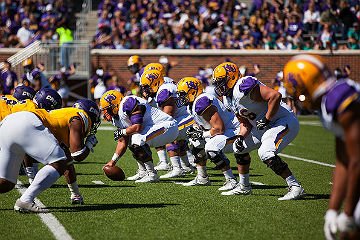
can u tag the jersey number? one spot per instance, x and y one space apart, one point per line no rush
245 113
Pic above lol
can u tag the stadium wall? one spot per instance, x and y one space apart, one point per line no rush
188 61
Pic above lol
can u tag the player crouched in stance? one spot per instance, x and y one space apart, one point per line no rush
152 86
266 124
339 106
140 127
26 133
215 133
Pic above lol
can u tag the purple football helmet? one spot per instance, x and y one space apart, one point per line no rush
92 110
23 92
48 99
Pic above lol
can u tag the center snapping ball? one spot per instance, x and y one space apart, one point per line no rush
114 173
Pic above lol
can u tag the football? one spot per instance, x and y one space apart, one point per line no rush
114 173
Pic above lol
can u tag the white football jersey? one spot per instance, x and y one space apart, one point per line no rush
151 115
166 91
241 103
203 102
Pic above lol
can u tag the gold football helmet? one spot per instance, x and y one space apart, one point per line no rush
110 103
155 66
188 88
307 75
134 64
150 82
224 78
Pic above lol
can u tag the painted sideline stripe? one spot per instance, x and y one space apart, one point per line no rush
306 160
55 227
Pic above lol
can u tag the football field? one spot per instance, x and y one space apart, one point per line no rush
166 210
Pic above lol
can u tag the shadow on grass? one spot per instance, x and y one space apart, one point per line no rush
221 175
109 206
89 174
307 197
93 186
267 186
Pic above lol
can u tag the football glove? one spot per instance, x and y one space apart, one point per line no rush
330 226
262 123
345 223
91 142
239 143
118 133
194 133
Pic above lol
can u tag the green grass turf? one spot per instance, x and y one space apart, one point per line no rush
125 210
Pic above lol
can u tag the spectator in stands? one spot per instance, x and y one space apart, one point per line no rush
30 71
59 82
65 43
354 36
24 34
8 79
311 18
326 39
347 17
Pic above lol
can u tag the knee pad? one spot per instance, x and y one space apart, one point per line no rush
218 158
199 154
276 164
172 147
242 159
141 153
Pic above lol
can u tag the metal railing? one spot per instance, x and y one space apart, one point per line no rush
81 23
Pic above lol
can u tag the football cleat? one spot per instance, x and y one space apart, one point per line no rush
198 181
295 192
139 174
240 189
229 184
149 178
162 166
77 199
25 207
176 172
190 169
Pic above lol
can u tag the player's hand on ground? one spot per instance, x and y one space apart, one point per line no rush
330 226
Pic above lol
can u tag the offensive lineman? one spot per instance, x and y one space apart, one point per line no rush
139 127
218 129
266 124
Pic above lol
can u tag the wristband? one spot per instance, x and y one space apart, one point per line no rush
115 157
123 132
207 134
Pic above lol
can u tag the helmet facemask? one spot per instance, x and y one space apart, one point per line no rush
220 85
182 99
146 91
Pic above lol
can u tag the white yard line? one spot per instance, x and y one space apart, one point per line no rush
98 182
310 123
306 160
257 183
57 229
106 128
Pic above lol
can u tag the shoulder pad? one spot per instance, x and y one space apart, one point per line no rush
247 84
163 96
202 104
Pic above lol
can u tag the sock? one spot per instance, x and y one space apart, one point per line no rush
228 174
190 157
184 161
141 165
150 167
162 156
30 172
175 162
244 179
44 179
291 181
201 171
74 188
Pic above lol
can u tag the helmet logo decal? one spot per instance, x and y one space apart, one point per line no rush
191 85
292 79
51 99
229 68
152 76
110 97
